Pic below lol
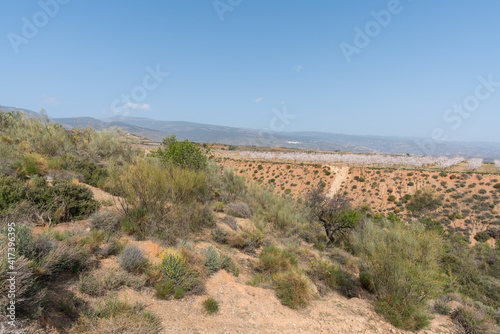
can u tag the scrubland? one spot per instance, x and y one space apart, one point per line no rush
111 239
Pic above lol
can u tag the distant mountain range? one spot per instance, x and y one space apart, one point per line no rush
156 130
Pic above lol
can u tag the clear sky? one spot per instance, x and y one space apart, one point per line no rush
337 66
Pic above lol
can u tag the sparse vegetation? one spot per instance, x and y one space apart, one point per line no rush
402 236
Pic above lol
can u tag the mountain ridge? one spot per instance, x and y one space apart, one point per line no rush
156 130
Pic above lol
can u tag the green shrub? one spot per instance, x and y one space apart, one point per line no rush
179 292
292 289
273 260
131 259
12 191
91 172
31 164
163 289
233 185
63 201
184 154
212 260
404 263
219 207
210 305
482 236
497 186
409 317
366 280
338 279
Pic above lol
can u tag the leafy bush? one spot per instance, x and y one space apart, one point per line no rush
210 305
184 154
131 259
404 263
91 172
292 289
12 191
62 201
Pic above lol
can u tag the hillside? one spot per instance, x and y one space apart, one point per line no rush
105 238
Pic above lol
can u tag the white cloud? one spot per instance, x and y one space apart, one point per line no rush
282 102
130 108
298 68
50 100
138 106
260 99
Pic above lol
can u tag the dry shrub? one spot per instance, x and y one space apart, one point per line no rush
108 221
131 259
471 320
238 209
112 316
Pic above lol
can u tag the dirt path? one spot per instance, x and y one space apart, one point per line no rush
340 176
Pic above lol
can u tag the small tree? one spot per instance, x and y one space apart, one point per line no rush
185 154
334 213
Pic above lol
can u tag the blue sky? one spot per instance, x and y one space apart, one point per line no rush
85 57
